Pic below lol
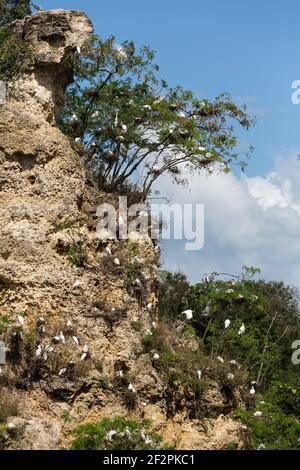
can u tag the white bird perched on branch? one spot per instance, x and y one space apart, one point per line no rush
155 356
38 352
95 115
147 107
227 324
188 314
62 372
75 339
131 388
78 49
108 250
220 359
69 324
124 128
252 391
117 262
230 376
199 374
116 119
77 140
258 414
154 325
242 329
74 117
20 321
77 284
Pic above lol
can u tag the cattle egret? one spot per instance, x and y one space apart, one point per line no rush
108 250
85 349
131 388
149 332
253 382
188 314
208 155
230 376
116 119
154 324
77 140
117 261
220 359
131 102
77 285
261 447
199 374
252 391
76 341
262 402
240 296
41 320
62 372
69 324
229 291
124 128
155 356
257 414
113 310
74 117
206 311
242 329
227 323
202 149
20 321
38 352
147 107
111 434
83 357
95 115
62 337
234 362
121 52
41 329
120 373
78 48
10 426
149 306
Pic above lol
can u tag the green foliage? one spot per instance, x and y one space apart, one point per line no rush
131 127
11 10
116 434
269 311
275 429
9 404
270 314
15 55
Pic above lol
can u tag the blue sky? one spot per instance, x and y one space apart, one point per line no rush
249 49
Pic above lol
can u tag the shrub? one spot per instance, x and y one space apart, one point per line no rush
116 434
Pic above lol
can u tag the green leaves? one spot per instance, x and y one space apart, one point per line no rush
116 434
15 55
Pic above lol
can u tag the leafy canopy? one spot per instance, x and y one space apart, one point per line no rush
131 127
15 55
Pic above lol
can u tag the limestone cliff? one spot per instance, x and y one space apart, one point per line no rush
62 279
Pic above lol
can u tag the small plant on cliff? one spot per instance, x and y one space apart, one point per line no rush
131 127
116 434
15 55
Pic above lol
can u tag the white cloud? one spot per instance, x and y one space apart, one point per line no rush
248 221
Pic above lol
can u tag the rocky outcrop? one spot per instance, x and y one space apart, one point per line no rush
60 276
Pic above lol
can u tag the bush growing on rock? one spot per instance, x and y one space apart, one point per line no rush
116 434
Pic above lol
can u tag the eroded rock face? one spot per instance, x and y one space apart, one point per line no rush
47 219
53 36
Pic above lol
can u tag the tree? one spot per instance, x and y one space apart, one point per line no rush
11 10
131 127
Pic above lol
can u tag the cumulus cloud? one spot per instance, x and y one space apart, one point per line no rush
251 221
